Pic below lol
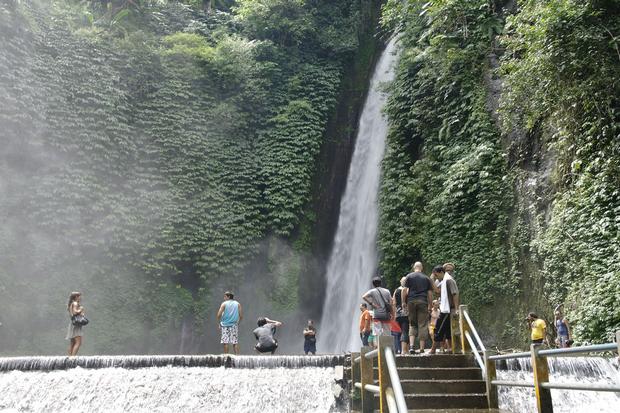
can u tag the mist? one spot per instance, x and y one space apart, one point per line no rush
119 180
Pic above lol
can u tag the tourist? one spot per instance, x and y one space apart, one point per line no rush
396 333
449 269
402 315
310 338
74 333
418 295
563 330
433 323
538 327
265 335
448 307
383 309
365 323
229 315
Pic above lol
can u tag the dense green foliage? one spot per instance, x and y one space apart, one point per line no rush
458 186
148 148
562 71
444 194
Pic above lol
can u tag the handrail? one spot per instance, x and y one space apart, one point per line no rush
539 365
397 387
473 329
475 352
582 349
510 356
391 400
579 386
389 388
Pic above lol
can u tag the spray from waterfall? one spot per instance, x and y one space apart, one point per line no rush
353 257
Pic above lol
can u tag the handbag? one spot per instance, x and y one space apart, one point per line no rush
79 320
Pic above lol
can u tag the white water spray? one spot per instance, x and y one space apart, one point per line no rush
582 370
353 258
169 389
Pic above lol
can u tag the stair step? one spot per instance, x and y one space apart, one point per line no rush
443 386
434 373
447 401
437 360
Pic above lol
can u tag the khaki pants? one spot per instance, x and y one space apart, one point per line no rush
418 319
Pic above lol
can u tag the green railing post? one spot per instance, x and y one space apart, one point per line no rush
384 374
491 374
366 375
541 375
355 378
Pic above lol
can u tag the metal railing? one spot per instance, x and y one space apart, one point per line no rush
390 391
540 365
471 342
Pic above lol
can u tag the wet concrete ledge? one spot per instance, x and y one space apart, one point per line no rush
45 363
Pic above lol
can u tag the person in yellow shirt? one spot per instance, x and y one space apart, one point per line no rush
538 327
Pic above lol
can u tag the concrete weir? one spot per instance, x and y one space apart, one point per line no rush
44 363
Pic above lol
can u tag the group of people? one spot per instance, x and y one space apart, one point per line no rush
230 315
410 311
538 328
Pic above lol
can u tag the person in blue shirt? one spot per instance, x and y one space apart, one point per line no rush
229 315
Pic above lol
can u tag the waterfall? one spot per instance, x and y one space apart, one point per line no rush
170 389
353 258
561 370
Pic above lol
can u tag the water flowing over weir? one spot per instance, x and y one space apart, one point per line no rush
170 383
354 253
561 370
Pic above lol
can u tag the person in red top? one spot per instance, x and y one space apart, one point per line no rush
365 320
396 332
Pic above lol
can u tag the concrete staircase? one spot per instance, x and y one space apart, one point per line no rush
441 381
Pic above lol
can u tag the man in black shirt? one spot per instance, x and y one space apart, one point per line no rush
418 295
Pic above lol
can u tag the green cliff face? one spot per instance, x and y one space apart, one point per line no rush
503 158
155 150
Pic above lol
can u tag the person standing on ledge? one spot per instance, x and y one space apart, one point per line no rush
538 327
74 333
365 320
310 338
563 330
265 335
229 315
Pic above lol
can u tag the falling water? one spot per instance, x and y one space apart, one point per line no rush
580 370
48 363
169 389
172 383
354 254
